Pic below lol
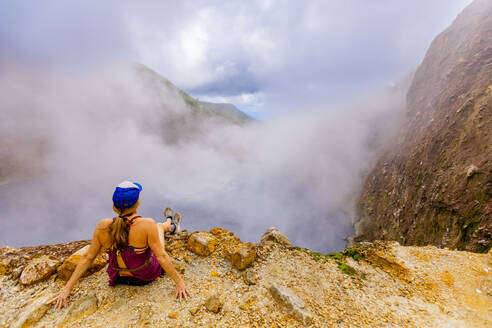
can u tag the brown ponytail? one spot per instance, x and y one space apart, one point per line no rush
119 228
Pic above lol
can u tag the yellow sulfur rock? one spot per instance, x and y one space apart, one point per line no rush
173 315
202 243
243 256
66 269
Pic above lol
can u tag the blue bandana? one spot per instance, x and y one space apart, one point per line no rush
126 194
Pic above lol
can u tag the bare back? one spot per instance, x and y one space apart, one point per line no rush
137 236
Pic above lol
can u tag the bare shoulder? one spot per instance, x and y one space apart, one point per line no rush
147 223
104 224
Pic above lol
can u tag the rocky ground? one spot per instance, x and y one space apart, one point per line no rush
270 284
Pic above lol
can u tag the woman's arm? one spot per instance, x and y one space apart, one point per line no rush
157 246
82 266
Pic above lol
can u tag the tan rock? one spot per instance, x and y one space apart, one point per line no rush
214 303
202 243
285 297
302 315
274 235
67 268
249 277
181 267
194 310
9 264
38 269
173 315
447 278
32 313
291 302
248 301
17 272
8 249
243 256
84 306
145 313
5 266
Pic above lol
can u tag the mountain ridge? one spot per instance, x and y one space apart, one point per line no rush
224 110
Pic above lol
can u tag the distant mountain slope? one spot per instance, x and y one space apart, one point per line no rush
435 185
227 111
132 93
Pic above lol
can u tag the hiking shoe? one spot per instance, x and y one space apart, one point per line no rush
176 220
168 213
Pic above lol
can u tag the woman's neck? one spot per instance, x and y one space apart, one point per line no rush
129 215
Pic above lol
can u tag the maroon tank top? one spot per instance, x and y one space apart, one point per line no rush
143 266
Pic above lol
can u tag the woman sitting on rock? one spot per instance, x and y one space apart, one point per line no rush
135 246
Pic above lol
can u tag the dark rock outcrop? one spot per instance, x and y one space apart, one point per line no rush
435 185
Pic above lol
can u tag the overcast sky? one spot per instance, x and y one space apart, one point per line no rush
268 57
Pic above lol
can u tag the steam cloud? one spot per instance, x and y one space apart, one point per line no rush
67 140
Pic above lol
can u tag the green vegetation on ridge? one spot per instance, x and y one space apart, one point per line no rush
227 111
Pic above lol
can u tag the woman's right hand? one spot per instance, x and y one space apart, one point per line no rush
61 300
182 292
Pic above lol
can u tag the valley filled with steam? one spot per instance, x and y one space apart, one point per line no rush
68 141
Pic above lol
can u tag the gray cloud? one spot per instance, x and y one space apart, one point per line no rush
295 53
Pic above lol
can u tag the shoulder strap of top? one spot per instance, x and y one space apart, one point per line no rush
132 220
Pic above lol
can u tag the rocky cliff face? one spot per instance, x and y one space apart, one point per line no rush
270 284
435 185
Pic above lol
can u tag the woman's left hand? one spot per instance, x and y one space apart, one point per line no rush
182 293
60 301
